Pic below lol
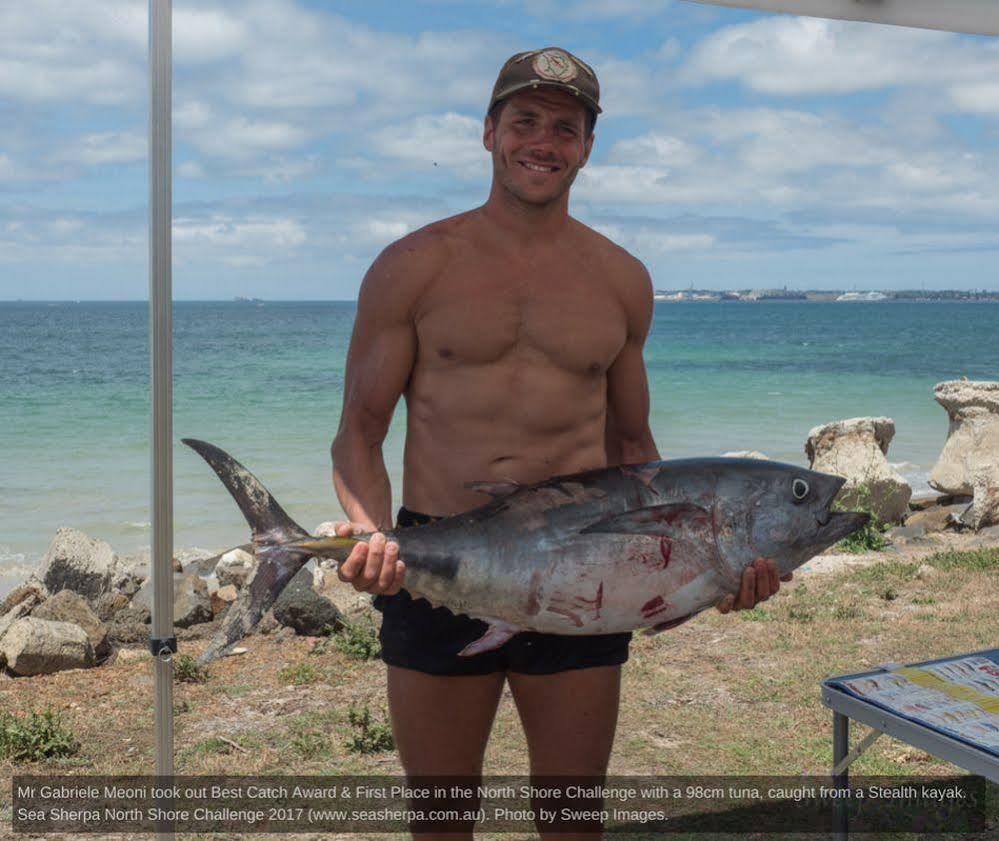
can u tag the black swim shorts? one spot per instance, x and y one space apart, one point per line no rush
416 636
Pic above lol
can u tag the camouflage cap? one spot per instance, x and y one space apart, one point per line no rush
550 66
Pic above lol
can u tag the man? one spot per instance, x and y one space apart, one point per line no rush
515 334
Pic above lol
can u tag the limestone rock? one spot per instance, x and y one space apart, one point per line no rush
855 449
747 454
300 607
190 600
267 624
205 565
32 589
973 435
352 604
234 567
79 563
130 625
35 646
20 610
984 509
191 605
131 574
109 604
67 606
222 598
938 518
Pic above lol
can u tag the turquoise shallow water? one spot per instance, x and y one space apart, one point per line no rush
265 382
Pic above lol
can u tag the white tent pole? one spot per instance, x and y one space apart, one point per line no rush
162 641
980 17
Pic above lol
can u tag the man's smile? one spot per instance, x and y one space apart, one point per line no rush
536 167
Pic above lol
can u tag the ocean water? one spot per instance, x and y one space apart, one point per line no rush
264 381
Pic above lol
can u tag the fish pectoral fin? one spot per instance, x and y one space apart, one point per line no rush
665 626
496 634
496 490
669 520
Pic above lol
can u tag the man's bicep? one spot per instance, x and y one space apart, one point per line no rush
378 367
382 349
629 438
628 407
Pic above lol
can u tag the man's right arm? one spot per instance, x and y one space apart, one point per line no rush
379 363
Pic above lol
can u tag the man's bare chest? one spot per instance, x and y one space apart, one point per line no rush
565 317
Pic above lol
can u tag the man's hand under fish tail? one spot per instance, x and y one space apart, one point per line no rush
372 567
760 580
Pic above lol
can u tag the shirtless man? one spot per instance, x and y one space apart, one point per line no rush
515 334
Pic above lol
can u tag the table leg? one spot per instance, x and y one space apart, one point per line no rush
841 747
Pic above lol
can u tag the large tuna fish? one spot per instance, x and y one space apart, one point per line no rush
615 549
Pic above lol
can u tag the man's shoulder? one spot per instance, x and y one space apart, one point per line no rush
433 242
616 263
407 267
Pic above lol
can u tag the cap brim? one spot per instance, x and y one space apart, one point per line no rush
536 83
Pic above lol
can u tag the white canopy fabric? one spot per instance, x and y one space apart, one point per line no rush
980 17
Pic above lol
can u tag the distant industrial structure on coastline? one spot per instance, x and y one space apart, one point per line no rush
785 294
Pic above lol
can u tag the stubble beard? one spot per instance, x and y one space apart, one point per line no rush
506 180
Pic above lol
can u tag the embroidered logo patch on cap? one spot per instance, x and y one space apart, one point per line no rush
554 65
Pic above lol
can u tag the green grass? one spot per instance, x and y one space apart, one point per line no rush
211 745
187 670
359 640
369 736
35 736
755 614
973 560
299 674
871 538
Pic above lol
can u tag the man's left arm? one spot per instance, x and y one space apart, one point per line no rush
629 438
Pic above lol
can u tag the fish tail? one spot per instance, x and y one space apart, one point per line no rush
280 546
267 519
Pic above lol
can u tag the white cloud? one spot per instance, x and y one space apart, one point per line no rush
191 169
239 138
110 147
654 149
227 231
450 141
976 97
785 160
801 55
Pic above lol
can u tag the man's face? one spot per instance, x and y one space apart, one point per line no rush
538 144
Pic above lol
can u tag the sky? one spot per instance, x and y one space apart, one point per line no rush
736 149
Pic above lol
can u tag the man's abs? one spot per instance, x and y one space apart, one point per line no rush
513 440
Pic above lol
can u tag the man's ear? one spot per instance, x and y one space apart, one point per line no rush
488 133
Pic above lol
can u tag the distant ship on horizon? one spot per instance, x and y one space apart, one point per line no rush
239 299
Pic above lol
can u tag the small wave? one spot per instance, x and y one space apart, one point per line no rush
139 525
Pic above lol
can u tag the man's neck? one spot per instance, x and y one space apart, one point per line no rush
524 221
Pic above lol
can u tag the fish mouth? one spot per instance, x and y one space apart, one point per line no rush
839 524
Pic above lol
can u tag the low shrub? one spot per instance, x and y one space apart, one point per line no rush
35 736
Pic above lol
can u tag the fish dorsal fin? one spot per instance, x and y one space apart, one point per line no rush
496 490
670 520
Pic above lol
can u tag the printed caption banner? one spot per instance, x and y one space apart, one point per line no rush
496 804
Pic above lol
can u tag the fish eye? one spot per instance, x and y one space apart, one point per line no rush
799 487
